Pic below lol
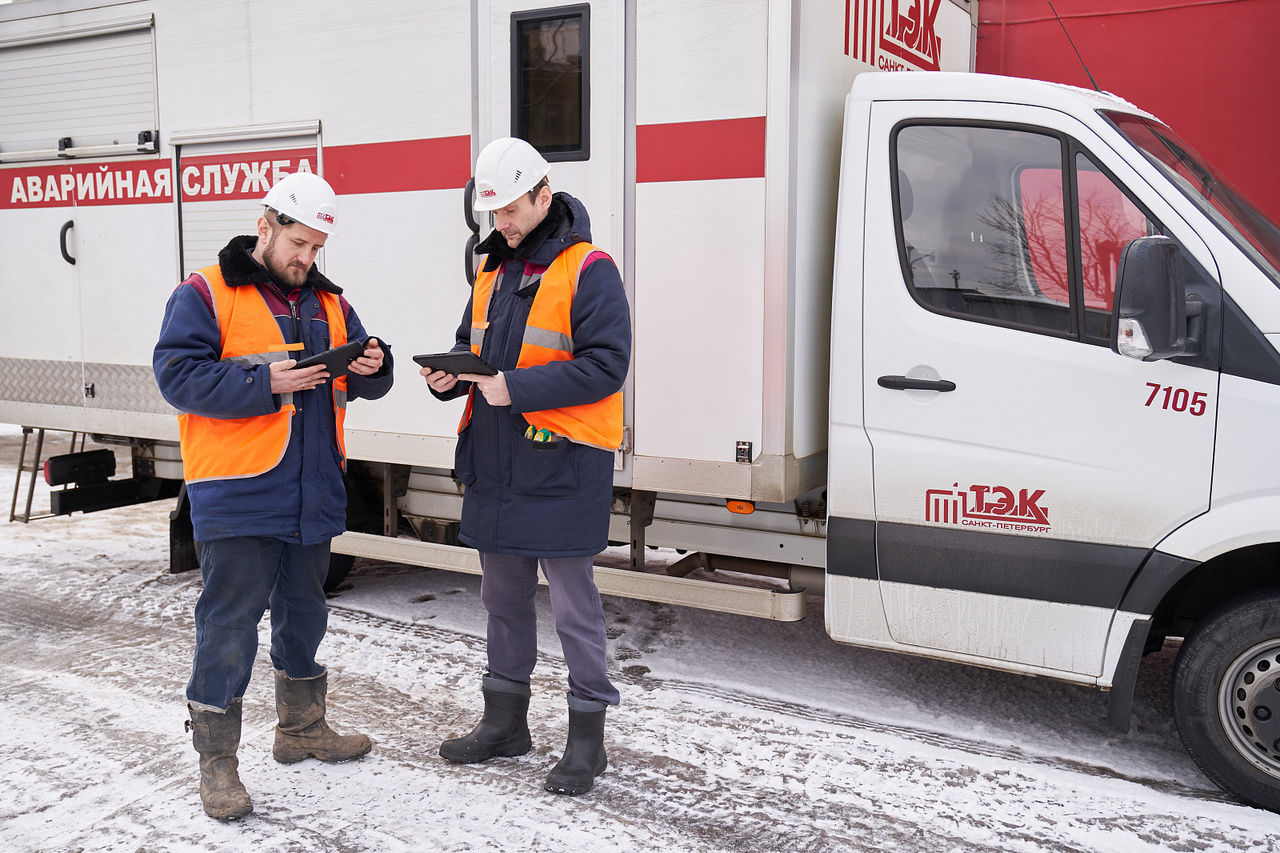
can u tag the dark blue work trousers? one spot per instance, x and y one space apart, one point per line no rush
241 575
507 588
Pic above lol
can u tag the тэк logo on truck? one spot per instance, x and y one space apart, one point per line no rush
987 506
894 35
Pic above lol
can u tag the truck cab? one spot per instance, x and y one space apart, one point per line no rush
1053 351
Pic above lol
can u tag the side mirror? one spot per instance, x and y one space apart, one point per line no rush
1149 319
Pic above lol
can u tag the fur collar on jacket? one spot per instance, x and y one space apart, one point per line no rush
239 268
498 252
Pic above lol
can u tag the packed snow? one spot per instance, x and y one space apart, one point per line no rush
735 734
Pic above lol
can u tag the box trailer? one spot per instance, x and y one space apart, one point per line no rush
984 361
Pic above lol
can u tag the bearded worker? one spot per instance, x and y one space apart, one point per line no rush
263 456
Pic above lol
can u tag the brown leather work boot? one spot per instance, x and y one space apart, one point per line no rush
217 737
303 732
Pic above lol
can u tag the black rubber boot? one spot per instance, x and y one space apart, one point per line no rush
584 757
502 731
217 737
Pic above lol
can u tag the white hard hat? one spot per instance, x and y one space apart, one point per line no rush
307 198
505 169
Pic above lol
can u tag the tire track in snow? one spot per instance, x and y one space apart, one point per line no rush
695 766
780 707
774 818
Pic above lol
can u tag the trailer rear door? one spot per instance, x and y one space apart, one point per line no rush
556 76
78 131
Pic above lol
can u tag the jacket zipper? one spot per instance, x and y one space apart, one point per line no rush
293 312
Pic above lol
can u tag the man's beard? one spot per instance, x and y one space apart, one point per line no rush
293 274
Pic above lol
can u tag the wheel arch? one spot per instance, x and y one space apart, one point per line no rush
1179 592
1226 528
1232 549
1173 594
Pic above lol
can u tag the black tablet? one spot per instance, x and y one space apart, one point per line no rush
336 360
456 362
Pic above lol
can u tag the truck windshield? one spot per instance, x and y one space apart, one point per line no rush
1240 220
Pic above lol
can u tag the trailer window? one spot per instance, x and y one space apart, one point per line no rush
982 224
550 103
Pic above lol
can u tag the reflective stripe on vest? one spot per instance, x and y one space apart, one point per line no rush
233 448
548 337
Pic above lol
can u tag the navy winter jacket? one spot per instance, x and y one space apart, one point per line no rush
302 499
532 498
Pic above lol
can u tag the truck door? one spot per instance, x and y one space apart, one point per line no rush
40 347
84 205
1022 468
555 76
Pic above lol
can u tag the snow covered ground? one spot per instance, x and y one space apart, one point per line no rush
734 734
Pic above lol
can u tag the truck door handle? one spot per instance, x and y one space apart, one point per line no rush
468 216
906 383
62 241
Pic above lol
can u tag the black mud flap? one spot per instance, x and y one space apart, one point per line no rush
1125 681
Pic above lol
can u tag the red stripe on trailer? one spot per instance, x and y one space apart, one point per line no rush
86 184
700 150
378 167
384 167
241 175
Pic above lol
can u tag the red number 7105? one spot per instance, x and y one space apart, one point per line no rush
1178 399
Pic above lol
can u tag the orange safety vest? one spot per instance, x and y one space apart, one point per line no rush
548 337
233 448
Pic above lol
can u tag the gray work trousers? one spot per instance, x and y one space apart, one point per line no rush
507 588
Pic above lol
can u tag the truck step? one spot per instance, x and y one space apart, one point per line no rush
773 604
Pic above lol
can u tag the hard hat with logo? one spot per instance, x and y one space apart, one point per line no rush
505 169
306 198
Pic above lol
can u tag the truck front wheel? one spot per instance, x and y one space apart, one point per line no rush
1226 697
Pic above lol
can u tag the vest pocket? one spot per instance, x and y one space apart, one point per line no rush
544 469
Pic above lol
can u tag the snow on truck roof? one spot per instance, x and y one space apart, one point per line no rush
967 86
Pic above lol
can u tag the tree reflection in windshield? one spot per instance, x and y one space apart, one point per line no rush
1240 220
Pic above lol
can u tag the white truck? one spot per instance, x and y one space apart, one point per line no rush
988 363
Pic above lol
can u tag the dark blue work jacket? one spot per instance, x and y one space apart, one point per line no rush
531 498
302 499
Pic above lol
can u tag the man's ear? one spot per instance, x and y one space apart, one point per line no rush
544 199
264 228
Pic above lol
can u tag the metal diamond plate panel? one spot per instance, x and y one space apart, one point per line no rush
125 388
121 387
29 380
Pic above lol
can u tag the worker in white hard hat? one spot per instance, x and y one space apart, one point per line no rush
536 448
263 457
